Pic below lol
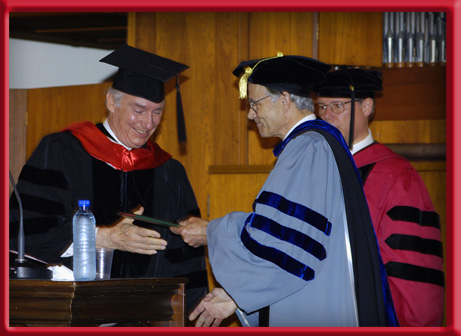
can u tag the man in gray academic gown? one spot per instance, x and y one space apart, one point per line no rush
307 255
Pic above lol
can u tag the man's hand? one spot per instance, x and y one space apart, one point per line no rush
126 236
215 306
192 231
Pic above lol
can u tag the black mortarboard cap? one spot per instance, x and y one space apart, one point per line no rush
294 74
144 74
351 83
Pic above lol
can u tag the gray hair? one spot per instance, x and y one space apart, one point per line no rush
302 103
117 95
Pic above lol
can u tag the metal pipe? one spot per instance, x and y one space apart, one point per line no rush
432 54
400 38
411 49
390 41
441 38
420 24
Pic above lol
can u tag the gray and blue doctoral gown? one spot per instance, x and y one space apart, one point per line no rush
293 252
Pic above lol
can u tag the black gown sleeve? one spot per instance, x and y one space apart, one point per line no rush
49 195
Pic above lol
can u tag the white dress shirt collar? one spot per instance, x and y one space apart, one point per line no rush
362 144
306 118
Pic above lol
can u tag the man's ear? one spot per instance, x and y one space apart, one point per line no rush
285 100
110 102
367 107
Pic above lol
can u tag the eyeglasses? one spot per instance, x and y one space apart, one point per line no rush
253 104
337 107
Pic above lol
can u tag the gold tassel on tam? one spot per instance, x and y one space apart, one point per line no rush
243 82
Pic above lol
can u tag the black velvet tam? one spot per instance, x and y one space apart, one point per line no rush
294 74
341 83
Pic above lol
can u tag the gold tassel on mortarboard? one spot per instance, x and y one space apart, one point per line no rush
243 82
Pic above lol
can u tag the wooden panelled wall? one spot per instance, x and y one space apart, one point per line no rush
225 158
410 111
213 44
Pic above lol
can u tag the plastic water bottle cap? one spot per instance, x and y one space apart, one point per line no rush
85 203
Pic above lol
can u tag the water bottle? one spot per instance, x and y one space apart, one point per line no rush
84 227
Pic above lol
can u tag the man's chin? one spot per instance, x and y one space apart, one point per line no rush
139 140
138 144
261 131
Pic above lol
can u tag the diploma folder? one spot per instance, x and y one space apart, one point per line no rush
148 219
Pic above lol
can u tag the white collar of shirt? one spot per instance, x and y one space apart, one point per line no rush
362 144
306 118
107 127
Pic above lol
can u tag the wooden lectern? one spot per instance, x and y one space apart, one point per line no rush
148 302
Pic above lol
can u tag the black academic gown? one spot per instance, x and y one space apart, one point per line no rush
60 172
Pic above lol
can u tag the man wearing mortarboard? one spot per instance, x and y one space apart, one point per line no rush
307 255
118 168
405 221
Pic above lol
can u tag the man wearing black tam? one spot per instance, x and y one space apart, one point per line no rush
406 224
118 168
307 254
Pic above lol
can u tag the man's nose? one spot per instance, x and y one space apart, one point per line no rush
327 113
148 121
251 113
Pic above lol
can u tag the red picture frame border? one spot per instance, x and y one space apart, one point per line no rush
453 122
